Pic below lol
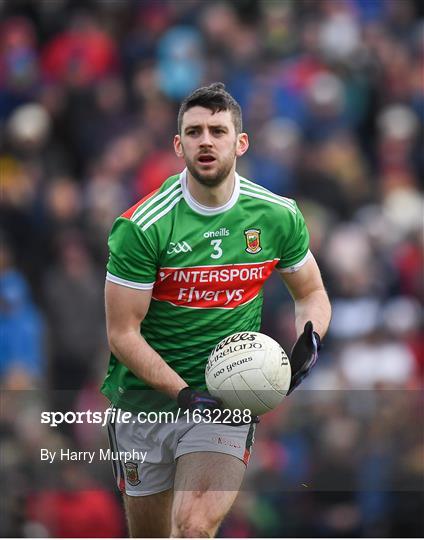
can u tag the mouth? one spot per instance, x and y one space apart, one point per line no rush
206 159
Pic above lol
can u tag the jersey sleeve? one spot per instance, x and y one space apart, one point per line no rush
295 247
132 256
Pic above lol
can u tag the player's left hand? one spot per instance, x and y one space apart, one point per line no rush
194 400
304 355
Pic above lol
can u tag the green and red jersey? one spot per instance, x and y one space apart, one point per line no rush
206 268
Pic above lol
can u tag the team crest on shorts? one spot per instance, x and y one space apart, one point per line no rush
253 240
131 472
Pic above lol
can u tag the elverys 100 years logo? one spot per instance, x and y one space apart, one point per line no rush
253 240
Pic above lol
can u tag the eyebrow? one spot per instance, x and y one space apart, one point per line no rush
199 126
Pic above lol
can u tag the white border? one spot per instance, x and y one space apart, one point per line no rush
130 284
295 267
209 210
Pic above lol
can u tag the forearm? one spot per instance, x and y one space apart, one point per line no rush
316 308
139 357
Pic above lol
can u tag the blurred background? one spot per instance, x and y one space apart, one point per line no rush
333 98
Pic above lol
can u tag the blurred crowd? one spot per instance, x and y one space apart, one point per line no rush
332 93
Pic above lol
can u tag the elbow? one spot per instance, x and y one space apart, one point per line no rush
120 340
112 344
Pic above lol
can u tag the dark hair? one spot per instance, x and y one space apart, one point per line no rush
215 98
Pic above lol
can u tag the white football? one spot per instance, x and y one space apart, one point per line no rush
248 370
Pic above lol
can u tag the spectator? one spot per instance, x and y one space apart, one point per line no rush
73 301
22 364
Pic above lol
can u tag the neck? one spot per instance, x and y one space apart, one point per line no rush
212 196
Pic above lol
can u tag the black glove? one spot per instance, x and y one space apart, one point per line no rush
190 399
304 355
194 400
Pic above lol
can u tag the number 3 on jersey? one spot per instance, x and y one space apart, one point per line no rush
217 251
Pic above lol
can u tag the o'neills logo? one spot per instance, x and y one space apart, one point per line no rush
223 231
216 286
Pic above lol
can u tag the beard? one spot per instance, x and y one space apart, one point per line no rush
209 179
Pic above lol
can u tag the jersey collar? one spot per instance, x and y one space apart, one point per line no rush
209 210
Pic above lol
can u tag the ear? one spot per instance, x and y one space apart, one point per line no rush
242 144
178 147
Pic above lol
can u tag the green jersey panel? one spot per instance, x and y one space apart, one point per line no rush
206 268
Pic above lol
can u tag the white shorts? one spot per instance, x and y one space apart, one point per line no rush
148 465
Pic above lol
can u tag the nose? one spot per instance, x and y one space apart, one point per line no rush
205 139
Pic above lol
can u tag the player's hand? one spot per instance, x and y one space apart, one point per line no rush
194 400
304 355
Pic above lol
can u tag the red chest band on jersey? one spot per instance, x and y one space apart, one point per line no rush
216 286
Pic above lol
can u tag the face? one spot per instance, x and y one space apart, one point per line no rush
209 145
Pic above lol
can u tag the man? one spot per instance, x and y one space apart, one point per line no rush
169 273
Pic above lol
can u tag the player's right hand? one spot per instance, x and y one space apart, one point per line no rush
194 400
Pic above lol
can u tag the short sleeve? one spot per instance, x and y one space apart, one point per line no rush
295 248
132 256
